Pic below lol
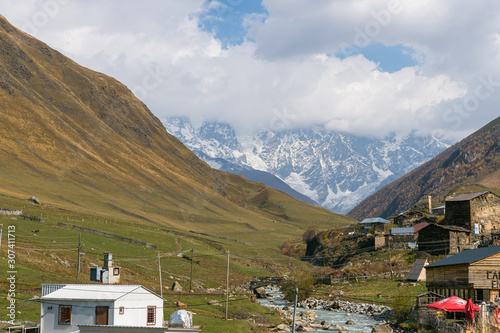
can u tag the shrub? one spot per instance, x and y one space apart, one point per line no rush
401 305
301 280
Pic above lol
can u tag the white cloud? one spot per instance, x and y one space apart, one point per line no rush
287 76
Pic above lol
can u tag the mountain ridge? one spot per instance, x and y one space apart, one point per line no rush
473 160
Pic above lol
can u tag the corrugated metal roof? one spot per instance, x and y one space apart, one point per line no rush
402 231
374 220
449 227
467 196
419 226
92 292
467 257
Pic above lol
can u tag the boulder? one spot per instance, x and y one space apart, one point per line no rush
34 200
310 315
176 286
213 302
302 328
181 305
382 329
283 327
336 328
350 322
260 292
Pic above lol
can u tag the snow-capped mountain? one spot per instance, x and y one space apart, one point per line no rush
334 169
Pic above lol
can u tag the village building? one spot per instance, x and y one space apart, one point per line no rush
65 307
439 211
409 218
478 212
473 274
443 239
377 223
417 272
108 273
405 238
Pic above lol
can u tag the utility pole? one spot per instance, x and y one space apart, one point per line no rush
295 308
159 270
191 274
79 249
390 257
227 284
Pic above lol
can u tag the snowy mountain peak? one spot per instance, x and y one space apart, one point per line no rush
337 170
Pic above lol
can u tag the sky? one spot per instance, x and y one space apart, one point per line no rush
364 67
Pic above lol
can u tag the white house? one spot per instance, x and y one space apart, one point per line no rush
64 307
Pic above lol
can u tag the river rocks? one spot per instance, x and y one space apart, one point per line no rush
283 328
260 292
378 311
350 322
336 328
382 329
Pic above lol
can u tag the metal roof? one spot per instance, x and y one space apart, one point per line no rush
402 231
87 292
448 227
467 257
374 220
419 226
467 196
416 269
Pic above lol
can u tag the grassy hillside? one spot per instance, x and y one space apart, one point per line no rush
81 141
473 161
96 157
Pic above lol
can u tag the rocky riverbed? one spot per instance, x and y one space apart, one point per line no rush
314 315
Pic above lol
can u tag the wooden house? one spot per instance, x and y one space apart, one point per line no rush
443 239
478 212
471 274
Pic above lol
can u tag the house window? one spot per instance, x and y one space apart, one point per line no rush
122 310
151 315
116 271
64 315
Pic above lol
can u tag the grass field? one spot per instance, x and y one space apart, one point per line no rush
47 253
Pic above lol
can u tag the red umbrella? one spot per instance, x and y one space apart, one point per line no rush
452 304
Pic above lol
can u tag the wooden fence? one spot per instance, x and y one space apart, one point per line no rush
438 325
110 235
32 218
4 211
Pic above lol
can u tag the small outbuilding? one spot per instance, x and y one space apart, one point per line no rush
417 272
471 274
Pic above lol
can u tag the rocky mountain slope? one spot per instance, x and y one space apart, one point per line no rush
474 160
80 139
336 170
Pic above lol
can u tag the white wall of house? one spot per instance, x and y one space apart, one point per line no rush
135 306
82 313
